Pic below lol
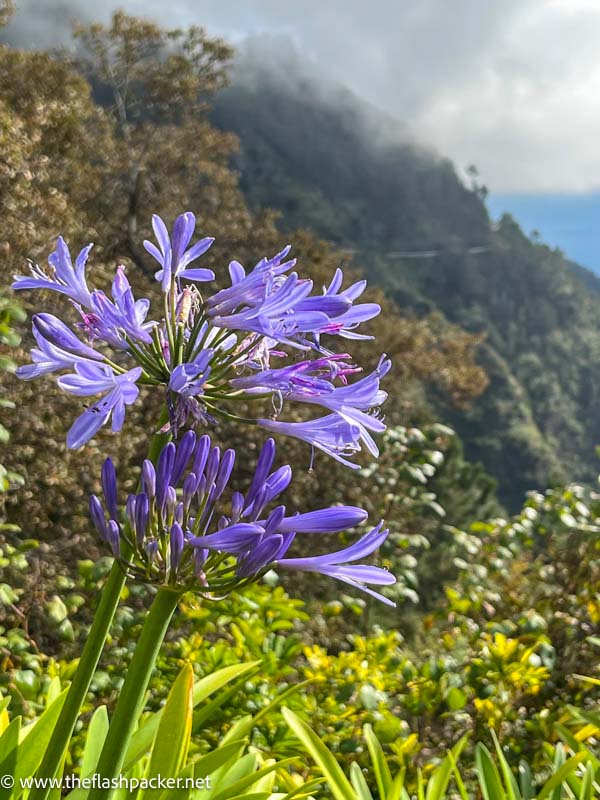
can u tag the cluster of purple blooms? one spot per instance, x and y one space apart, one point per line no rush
177 533
205 353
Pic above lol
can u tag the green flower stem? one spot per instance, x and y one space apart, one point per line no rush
109 601
131 700
81 681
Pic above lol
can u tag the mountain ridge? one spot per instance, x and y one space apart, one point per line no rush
305 157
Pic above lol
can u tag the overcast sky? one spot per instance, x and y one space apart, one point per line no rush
510 85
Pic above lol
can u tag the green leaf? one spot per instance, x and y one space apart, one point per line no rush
587 785
575 745
245 725
460 784
233 789
559 760
487 773
438 782
254 796
7 594
96 734
9 742
560 776
34 740
216 759
512 788
173 735
358 781
212 683
226 776
181 792
383 776
456 699
526 780
94 741
56 610
218 702
304 790
141 741
397 790
340 786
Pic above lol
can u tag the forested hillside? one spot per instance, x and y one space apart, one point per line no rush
328 163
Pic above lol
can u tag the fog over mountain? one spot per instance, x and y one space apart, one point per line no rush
509 86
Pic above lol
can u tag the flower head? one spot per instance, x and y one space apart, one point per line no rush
269 303
205 353
181 533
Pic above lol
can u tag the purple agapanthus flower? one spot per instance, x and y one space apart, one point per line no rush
182 534
340 565
346 323
58 349
250 289
172 253
188 379
123 316
62 277
312 382
282 311
271 304
207 352
332 434
91 379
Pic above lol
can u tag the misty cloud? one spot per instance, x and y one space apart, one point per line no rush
511 86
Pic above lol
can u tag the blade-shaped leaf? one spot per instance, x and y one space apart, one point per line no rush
9 744
587 785
34 740
488 775
245 725
141 741
340 786
359 783
226 776
560 776
233 789
304 790
173 735
512 788
526 780
460 784
207 686
96 734
397 789
383 776
438 782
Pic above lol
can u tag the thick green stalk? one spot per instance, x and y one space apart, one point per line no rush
131 700
81 680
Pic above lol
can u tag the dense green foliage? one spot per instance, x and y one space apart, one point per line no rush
320 157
